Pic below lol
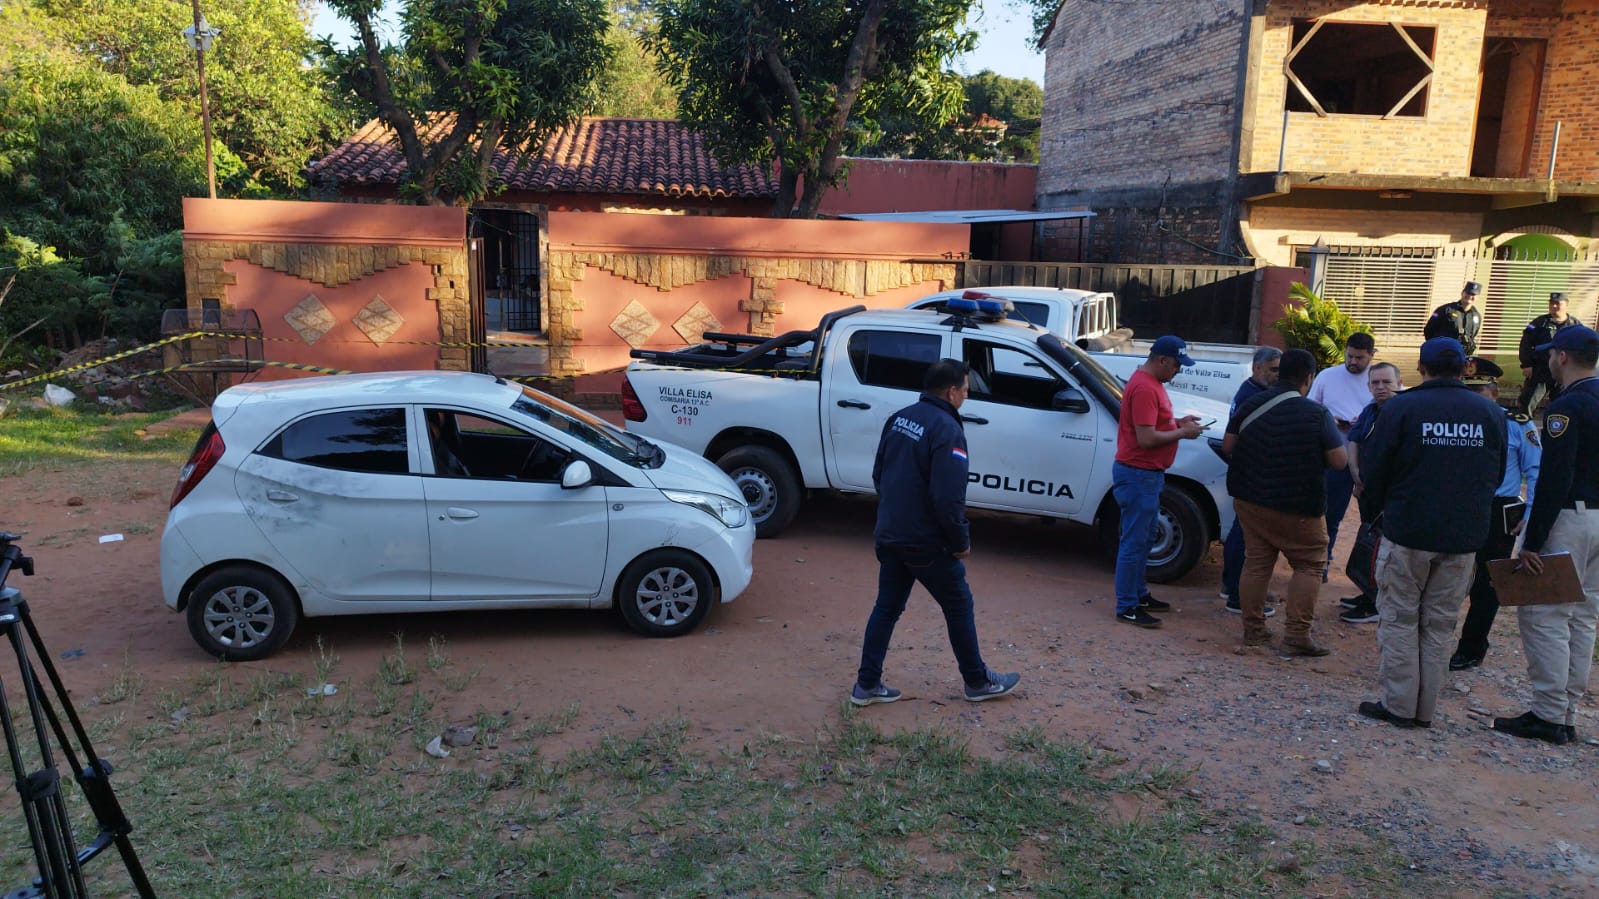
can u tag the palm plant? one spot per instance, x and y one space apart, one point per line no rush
1316 324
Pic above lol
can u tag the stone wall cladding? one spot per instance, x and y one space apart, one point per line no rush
336 264
1139 97
664 272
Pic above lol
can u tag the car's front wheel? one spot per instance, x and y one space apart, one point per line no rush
1177 542
240 613
665 593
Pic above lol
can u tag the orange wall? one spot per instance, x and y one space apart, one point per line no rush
604 295
784 238
272 295
914 185
294 221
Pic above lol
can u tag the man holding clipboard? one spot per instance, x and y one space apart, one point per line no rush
1558 635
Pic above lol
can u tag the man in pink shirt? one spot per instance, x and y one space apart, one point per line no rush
1146 445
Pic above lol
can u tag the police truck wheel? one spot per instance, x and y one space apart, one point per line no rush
1180 536
768 484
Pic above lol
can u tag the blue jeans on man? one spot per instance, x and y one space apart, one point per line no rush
1232 561
1137 492
899 569
1340 487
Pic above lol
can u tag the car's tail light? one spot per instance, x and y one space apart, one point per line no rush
207 450
632 409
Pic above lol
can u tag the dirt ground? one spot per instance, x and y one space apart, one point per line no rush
1276 739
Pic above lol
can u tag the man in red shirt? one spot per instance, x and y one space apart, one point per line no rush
1146 444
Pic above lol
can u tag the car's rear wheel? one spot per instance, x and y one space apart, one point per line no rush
665 593
768 484
240 613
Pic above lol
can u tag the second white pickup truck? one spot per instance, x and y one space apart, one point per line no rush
1087 319
805 410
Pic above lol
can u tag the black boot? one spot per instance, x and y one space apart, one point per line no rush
1531 727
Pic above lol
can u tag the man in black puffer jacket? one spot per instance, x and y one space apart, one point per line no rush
1282 445
1438 456
922 534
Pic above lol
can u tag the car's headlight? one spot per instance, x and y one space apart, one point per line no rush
731 512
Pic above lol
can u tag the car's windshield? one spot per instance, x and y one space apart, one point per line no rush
1104 385
588 428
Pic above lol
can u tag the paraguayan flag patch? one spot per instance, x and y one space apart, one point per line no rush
958 453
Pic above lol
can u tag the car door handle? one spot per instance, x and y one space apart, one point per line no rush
974 420
854 404
460 514
282 496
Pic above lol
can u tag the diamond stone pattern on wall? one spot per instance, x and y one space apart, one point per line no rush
378 320
692 325
310 319
634 324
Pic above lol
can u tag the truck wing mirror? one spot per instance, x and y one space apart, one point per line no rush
1069 400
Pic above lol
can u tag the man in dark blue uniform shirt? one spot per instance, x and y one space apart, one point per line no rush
1539 383
1263 374
1459 320
1558 639
922 534
1522 457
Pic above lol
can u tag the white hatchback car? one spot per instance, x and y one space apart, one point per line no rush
436 491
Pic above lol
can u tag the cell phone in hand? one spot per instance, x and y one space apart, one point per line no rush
1207 422
1512 514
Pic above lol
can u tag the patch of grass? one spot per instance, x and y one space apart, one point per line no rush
124 685
66 437
260 792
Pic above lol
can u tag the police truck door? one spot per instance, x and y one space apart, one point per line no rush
879 373
1025 455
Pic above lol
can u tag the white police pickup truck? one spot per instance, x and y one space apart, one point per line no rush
805 410
1088 319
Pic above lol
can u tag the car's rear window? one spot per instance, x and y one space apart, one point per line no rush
363 440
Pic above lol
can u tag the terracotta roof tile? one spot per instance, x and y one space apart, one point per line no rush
652 157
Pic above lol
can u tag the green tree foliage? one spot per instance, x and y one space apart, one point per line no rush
470 76
1318 325
799 82
1016 102
267 105
629 86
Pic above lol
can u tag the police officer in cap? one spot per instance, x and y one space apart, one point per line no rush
1539 384
1459 319
1558 639
1522 455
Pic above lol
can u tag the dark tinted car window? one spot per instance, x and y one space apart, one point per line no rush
892 358
370 440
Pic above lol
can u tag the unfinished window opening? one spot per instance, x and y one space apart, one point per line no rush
1507 107
1346 68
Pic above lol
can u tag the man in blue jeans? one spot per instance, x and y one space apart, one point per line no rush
1146 445
922 534
1262 375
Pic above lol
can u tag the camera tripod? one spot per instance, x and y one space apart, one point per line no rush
49 824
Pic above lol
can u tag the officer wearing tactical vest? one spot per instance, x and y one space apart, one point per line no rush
1558 639
1538 383
1522 457
1459 319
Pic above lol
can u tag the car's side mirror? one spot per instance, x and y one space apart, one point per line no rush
1069 400
576 474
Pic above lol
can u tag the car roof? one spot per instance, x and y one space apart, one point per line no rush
293 395
1017 292
898 318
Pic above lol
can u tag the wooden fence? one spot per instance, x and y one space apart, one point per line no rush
1211 303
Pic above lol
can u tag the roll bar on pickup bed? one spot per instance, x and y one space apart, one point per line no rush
761 352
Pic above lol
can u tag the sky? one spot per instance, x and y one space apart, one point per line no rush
1004 40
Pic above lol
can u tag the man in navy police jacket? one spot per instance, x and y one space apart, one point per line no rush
922 534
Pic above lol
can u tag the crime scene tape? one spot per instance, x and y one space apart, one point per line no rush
102 361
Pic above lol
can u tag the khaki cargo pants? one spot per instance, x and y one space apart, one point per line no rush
1419 593
1558 639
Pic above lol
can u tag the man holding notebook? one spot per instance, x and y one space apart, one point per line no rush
1558 638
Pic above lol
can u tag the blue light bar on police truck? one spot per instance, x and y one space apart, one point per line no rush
981 304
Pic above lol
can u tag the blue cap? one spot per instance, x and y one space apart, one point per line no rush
1173 346
1576 337
1443 350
